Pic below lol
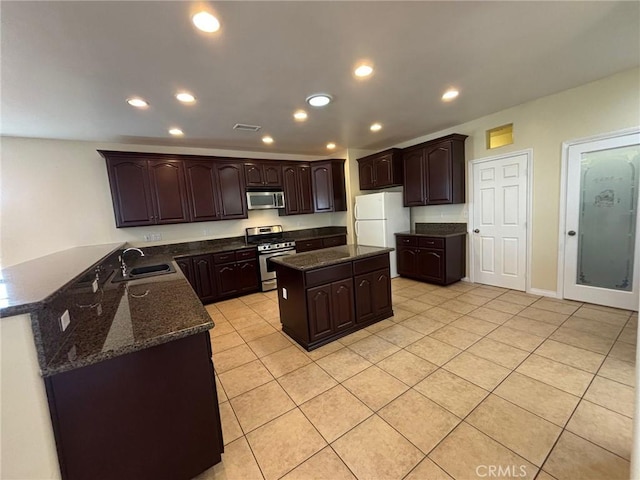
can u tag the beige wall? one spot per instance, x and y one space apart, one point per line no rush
28 449
55 195
604 106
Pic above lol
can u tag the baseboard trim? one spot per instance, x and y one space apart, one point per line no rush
544 293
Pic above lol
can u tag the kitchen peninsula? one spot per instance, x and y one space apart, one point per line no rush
326 294
114 376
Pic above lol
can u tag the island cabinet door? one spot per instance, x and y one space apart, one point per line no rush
365 307
381 284
319 310
342 304
204 277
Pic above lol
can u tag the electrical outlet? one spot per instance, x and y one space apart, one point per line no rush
284 293
156 237
94 285
147 237
207 232
65 320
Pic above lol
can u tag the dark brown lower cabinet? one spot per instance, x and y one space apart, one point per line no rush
440 260
330 308
320 305
373 295
214 281
149 415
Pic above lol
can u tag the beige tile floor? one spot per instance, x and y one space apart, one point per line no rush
465 381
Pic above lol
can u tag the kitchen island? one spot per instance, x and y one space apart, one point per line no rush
326 294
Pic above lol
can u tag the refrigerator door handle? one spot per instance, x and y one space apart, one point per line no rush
356 226
355 212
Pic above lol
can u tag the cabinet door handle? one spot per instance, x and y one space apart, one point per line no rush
430 243
434 254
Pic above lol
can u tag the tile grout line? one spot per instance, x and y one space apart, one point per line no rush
439 367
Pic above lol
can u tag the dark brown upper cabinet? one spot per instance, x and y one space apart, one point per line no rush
147 191
233 201
216 190
202 187
296 183
322 183
434 172
258 174
381 170
329 193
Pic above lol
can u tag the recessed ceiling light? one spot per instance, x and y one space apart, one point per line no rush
363 70
319 99
300 115
450 94
137 102
176 131
206 22
185 97
376 127
331 145
267 139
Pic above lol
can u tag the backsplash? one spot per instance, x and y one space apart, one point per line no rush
457 213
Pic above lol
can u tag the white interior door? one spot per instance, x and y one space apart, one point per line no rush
600 241
500 221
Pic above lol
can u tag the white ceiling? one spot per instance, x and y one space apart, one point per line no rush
67 67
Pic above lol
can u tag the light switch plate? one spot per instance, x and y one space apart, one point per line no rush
284 293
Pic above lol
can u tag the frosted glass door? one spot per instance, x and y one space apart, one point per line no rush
601 238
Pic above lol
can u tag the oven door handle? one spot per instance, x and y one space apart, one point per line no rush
268 260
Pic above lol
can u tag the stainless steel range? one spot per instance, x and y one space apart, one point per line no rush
271 243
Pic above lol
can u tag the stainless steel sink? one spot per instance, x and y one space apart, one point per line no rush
144 271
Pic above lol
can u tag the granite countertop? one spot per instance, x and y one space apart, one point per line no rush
441 230
29 284
123 317
328 256
313 233
119 318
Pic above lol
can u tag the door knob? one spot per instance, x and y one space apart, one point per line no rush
571 233
476 231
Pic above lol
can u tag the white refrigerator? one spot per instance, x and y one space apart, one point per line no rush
378 217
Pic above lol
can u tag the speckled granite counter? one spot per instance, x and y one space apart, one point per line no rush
29 284
328 256
441 230
312 233
117 319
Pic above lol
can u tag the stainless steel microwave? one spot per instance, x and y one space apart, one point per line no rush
263 200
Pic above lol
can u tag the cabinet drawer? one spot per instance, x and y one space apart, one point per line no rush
431 242
224 257
407 241
370 264
334 241
245 254
307 245
328 274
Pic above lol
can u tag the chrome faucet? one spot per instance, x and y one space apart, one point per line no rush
123 265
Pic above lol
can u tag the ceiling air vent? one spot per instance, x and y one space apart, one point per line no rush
246 128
